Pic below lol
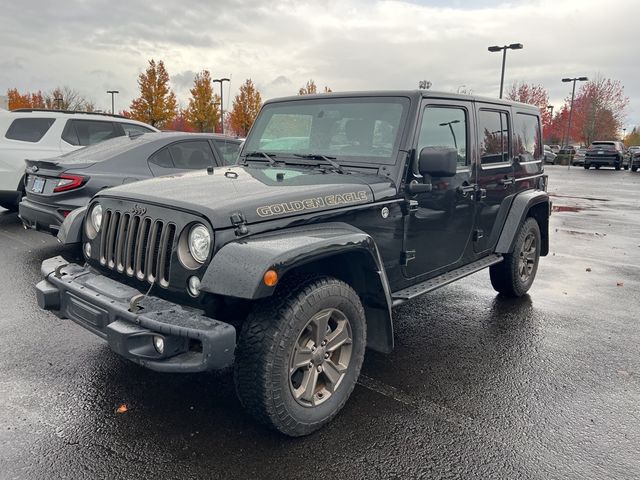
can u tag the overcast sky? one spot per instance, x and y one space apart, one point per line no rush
97 45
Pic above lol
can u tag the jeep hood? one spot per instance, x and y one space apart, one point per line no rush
259 193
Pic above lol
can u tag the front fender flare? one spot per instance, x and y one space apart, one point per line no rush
70 232
237 269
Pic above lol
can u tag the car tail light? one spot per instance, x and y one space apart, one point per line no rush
69 182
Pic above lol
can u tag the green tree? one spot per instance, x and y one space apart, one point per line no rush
157 103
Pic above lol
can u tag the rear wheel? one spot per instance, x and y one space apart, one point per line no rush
300 353
617 166
597 167
586 167
634 169
515 274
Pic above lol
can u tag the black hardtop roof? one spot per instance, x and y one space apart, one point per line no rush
414 94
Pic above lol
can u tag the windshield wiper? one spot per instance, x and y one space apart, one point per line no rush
324 158
260 154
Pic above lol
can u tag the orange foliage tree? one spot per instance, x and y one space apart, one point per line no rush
157 103
246 106
311 88
180 122
203 112
24 100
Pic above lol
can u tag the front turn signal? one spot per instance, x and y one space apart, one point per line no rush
270 278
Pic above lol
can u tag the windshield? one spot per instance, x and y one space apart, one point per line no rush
353 129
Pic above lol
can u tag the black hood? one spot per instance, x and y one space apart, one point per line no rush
259 193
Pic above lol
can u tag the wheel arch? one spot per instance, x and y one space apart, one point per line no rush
338 250
533 204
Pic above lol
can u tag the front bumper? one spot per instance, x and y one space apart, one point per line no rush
40 217
193 342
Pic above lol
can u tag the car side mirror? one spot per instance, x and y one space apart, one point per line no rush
438 161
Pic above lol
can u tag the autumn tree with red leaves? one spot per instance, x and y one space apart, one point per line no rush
246 106
533 95
599 109
157 103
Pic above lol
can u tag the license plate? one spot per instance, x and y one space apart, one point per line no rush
600 152
38 185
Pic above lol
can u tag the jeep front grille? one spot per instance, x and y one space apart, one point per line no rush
137 246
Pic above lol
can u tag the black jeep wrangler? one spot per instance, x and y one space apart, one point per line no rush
288 265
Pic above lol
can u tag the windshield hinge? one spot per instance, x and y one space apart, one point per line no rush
240 224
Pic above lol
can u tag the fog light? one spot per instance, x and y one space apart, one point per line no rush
87 249
194 286
158 344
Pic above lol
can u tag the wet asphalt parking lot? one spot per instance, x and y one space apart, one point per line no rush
547 386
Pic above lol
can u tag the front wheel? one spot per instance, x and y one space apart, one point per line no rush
515 274
300 354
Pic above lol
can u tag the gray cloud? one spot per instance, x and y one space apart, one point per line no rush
94 45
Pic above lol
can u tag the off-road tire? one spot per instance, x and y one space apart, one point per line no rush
586 167
268 338
617 166
634 169
626 167
505 276
597 167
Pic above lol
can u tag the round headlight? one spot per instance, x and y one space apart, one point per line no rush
96 217
199 243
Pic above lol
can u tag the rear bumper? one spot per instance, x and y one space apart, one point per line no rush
40 217
192 341
604 161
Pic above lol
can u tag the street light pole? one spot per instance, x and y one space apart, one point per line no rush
573 94
496 48
112 92
221 81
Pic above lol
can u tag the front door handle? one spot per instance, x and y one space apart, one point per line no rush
465 189
506 181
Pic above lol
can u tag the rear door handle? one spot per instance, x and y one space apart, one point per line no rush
465 189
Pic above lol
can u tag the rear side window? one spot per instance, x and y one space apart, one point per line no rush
526 136
89 132
132 129
229 151
493 136
445 127
29 129
162 158
192 155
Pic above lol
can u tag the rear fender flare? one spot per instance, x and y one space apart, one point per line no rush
534 204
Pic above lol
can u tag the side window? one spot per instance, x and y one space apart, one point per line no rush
29 129
526 137
192 155
161 158
493 136
89 132
445 127
132 129
229 151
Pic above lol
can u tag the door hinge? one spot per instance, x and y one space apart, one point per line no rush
239 222
477 234
411 206
407 256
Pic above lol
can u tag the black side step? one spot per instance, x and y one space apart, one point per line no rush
408 293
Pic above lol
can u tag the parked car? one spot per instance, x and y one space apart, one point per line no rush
549 156
609 153
578 157
34 134
555 148
288 264
634 157
55 187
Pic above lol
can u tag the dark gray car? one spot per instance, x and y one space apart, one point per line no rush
55 187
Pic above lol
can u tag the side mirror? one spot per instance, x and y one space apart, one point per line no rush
438 161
